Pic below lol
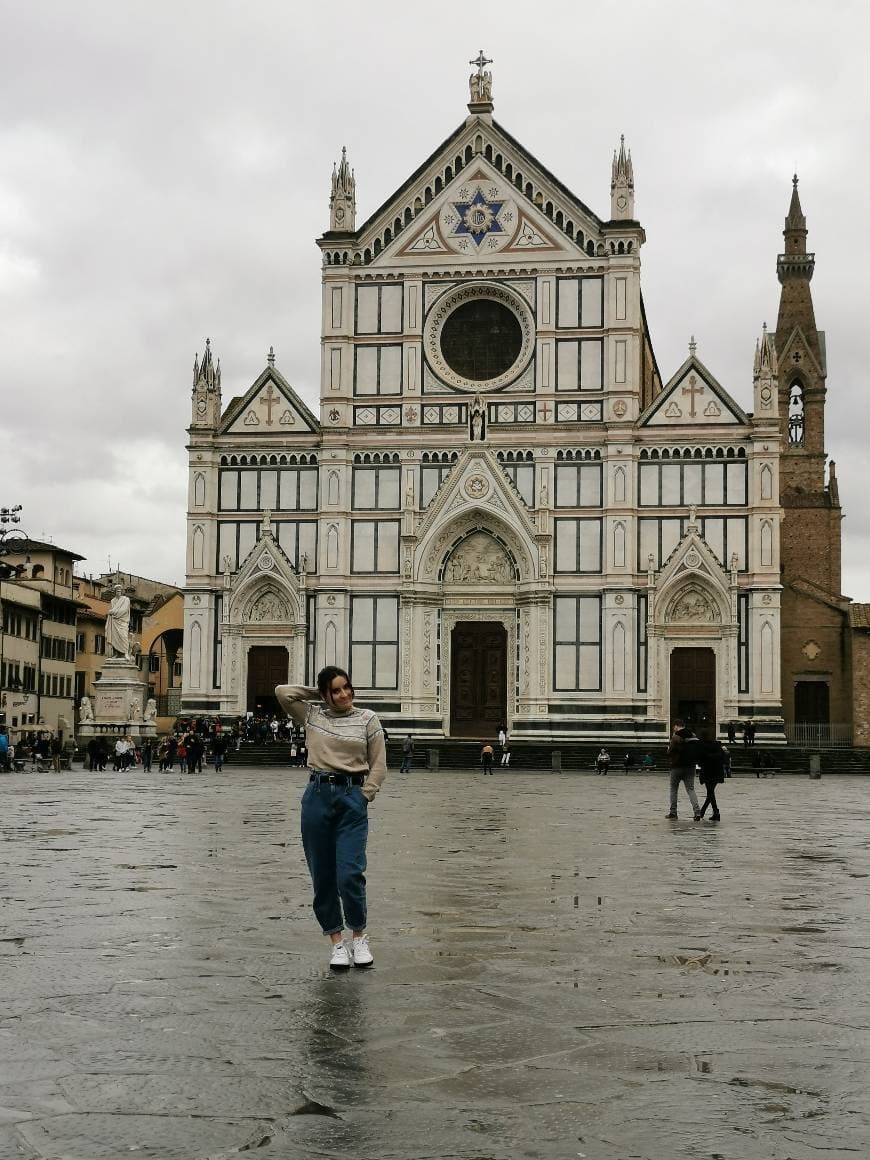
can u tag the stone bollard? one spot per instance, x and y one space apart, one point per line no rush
556 758
816 766
433 758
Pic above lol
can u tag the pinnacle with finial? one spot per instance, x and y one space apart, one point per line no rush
693 346
481 62
270 357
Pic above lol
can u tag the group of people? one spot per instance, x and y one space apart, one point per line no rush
689 755
487 752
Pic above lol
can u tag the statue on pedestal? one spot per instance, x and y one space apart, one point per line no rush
118 623
86 712
151 711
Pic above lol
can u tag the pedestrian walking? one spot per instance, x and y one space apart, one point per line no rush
348 767
602 762
506 753
486 755
147 753
749 733
407 754
712 774
218 750
732 732
684 752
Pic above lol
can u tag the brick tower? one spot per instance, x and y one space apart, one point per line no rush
815 638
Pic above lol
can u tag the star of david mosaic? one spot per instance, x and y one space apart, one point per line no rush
478 218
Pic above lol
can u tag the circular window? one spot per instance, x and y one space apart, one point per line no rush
481 339
480 335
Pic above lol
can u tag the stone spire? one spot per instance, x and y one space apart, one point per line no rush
794 268
622 185
206 401
764 376
342 199
480 88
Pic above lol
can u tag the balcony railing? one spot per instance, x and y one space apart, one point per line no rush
818 735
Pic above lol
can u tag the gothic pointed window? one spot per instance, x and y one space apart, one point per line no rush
796 415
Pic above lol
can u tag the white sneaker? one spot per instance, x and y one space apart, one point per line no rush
340 959
362 955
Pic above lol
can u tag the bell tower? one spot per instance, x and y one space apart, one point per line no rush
814 619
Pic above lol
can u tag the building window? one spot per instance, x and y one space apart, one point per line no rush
99 645
578 545
268 489
431 478
578 485
375 489
693 484
642 604
374 641
80 641
378 370
379 309
743 665
374 546
522 476
577 642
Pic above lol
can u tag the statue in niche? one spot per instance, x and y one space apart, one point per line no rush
694 607
477 426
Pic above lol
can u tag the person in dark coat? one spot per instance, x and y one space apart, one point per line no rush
713 760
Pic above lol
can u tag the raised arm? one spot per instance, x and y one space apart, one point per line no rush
294 700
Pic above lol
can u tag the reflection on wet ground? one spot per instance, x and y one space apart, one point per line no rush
560 972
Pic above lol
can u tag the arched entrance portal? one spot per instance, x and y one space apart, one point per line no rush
478 678
693 689
268 666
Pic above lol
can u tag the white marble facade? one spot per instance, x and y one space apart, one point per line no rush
494 447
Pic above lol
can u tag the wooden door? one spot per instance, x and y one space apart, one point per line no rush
693 689
268 666
478 682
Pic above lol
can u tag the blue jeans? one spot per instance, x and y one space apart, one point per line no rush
335 826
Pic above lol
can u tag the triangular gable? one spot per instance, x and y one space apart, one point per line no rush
693 397
693 571
269 407
479 214
265 571
795 355
402 210
476 480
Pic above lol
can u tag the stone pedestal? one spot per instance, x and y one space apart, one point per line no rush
119 703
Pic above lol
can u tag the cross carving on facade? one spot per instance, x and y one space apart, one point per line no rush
692 390
269 400
545 410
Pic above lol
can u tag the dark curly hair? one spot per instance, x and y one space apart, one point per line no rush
326 676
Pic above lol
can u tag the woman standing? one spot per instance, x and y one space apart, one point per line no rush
712 774
347 759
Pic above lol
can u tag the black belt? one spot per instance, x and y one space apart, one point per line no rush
337 778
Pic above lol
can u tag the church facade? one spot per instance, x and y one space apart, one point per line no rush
501 514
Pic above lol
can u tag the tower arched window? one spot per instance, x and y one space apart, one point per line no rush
796 415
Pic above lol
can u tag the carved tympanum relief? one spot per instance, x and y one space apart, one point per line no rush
479 560
692 606
268 608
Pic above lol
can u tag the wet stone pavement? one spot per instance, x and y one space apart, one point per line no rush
560 972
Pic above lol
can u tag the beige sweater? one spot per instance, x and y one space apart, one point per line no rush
351 742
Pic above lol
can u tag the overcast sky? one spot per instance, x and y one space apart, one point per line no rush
164 170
